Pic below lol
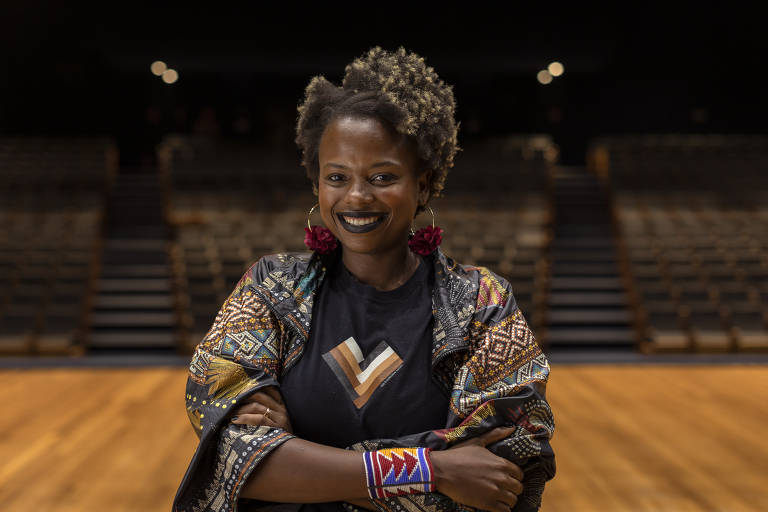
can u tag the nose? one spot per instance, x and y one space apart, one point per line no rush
359 192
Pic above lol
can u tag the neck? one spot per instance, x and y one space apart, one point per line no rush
384 271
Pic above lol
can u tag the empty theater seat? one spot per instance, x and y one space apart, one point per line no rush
690 214
230 205
51 208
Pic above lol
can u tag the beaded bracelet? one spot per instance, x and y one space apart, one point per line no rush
398 471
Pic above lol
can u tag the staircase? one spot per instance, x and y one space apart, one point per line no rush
587 309
133 310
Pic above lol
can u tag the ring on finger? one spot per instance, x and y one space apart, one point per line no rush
266 414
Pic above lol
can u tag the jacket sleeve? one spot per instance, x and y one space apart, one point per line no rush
239 355
503 383
500 381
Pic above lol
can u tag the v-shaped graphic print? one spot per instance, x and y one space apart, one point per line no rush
361 377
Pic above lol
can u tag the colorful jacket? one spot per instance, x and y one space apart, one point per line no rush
484 357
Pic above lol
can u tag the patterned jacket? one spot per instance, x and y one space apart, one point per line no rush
484 357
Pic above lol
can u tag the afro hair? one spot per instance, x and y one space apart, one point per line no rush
397 88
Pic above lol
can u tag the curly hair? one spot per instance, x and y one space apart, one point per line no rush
397 88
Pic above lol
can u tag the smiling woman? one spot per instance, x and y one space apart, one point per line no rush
377 374
397 88
370 184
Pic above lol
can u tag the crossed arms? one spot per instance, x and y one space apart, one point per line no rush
499 381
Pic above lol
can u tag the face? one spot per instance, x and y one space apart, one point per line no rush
368 189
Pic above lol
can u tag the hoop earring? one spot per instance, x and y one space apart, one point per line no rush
425 240
318 238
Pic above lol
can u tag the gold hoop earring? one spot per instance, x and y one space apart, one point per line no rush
309 215
318 238
412 232
425 240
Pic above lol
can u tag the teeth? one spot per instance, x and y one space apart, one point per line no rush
357 221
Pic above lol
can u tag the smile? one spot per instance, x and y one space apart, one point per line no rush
361 222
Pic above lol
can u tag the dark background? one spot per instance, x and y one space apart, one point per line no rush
243 68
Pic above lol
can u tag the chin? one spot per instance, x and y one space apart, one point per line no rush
359 248
366 248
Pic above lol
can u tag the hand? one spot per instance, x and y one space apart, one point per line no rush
469 473
254 409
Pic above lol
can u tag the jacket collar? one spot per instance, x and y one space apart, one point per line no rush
293 282
453 304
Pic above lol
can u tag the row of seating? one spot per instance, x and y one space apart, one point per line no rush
503 167
727 167
215 247
700 291
693 260
232 204
46 268
693 232
52 198
499 165
192 164
56 162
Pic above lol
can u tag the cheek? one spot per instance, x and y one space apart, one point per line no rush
326 202
403 197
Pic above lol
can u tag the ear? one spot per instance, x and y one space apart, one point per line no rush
424 181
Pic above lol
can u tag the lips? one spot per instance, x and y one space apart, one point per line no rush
353 227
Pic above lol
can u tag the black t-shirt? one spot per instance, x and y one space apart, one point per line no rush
366 368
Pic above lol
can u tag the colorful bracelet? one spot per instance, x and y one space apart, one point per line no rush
398 471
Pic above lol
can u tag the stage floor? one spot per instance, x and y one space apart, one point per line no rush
627 438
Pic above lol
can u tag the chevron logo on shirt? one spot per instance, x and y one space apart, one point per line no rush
361 376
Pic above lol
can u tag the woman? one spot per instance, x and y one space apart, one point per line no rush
374 372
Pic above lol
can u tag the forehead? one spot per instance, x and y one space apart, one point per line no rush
362 139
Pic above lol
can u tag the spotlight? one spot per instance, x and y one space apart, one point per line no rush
555 69
158 67
170 76
543 77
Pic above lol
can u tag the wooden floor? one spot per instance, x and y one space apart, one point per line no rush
628 438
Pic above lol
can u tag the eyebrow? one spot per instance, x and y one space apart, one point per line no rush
377 164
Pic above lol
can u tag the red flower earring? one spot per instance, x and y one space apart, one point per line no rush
426 240
318 238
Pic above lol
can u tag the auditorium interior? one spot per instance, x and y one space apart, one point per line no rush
626 206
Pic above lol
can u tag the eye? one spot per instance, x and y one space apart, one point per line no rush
383 178
335 178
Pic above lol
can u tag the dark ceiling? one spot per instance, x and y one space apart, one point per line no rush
644 69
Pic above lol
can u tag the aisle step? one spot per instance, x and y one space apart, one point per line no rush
132 319
566 298
587 306
121 338
133 301
133 309
119 285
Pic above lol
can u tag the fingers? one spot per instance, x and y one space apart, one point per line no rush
513 485
487 438
505 499
497 434
256 420
514 471
256 414
265 399
263 408
508 499
257 409
248 409
500 506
